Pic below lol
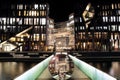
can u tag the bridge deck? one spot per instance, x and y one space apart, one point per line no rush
77 75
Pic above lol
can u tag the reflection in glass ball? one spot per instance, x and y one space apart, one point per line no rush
61 65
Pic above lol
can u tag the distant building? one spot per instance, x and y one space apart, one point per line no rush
50 38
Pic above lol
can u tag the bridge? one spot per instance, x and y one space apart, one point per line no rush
82 71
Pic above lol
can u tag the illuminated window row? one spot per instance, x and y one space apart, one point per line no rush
32 13
111 19
35 21
80 28
110 12
11 21
112 6
39 29
27 21
36 6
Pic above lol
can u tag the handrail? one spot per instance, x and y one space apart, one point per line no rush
35 72
90 71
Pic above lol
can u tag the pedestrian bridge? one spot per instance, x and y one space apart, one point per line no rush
82 71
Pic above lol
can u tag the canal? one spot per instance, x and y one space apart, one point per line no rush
11 70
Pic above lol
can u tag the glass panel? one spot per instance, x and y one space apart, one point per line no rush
43 21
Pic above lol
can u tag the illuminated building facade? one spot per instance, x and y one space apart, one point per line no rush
26 25
50 37
97 27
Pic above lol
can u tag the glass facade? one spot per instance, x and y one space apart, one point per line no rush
101 32
27 24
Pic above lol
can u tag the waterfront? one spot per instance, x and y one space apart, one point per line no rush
10 70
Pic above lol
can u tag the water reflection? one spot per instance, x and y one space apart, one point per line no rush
115 70
112 68
10 70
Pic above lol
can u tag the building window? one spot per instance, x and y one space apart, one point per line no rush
36 6
26 21
24 13
19 13
112 18
105 19
118 12
42 13
30 21
119 5
20 7
43 21
80 19
119 27
112 6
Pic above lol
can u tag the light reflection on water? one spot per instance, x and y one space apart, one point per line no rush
10 70
112 68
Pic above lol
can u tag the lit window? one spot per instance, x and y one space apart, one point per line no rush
17 19
118 12
113 27
43 21
43 37
20 22
119 5
24 13
112 6
42 13
36 6
13 19
37 13
41 26
33 13
119 18
26 21
19 13
80 19
4 27
4 20
103 19
115 6
10 20
111 19
119 27
114 18
43 7
20 6
30 21
106 18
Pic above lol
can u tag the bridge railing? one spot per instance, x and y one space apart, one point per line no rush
35 72
90 71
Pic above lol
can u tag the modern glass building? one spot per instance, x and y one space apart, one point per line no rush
97 27
23 27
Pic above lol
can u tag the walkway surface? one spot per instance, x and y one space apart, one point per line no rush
77 75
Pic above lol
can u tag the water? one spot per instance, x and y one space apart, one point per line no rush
10 70
111 68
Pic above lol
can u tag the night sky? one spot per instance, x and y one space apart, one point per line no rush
59 9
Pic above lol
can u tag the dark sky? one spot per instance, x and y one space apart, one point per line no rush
59 9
